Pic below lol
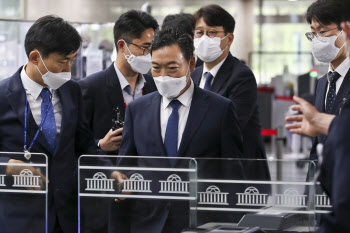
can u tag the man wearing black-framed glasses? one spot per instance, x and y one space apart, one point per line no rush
124 81
107 94
328 45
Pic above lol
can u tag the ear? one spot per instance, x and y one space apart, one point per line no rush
346 29
192 63
34 57
120 45
231 38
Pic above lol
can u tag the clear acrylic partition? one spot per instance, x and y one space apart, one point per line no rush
23 192
208 193
148 183
230 201
323 203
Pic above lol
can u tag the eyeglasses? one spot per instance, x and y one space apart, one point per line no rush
319 35
145 50
198 33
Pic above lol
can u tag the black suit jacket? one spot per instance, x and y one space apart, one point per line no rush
142 136
75 139
236 82
334 176
101 93
320 96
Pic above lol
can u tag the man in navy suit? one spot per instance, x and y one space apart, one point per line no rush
43 92
227 76
124 81
328 46
180 120
116 87
335 165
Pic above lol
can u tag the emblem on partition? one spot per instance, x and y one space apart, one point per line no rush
252 197
2 180
136 183
291 198
26 179
322 200
99 182
174 185
213 196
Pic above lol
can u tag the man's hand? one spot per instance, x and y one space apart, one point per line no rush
119 177
112 140
311 122
16 170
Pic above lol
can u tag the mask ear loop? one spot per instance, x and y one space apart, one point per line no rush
226 45
127 56
43 63
344 41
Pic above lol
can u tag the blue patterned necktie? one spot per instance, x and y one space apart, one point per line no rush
208 79
49 125
171 133
331 95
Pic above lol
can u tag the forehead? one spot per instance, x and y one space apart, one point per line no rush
317 25
147 36
57 55
168 54
200 24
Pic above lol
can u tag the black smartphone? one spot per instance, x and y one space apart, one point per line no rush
117 120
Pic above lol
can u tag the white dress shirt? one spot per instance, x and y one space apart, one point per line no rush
166 109
126 88
33 91
213 72
342 69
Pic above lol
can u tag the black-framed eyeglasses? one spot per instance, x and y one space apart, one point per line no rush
145 50
198 33
319 35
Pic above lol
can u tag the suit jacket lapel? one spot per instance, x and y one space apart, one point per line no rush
342 94
223 74
66 104
198 110
196 75
154 109
323 82
114 91
17 100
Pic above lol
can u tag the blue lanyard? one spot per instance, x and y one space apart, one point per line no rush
40 126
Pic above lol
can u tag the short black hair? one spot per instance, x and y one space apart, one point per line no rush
182 21
214 15
132 24
50 34
171 36
325 12
346 10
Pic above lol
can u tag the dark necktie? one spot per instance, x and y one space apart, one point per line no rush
49 125
331 91
208 79
171 133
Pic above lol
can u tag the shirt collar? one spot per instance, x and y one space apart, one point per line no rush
124 83
215 69
185 99
33 88
342 69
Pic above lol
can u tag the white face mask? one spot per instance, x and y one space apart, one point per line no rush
208 49
325 51
140 64
54 80
170 87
